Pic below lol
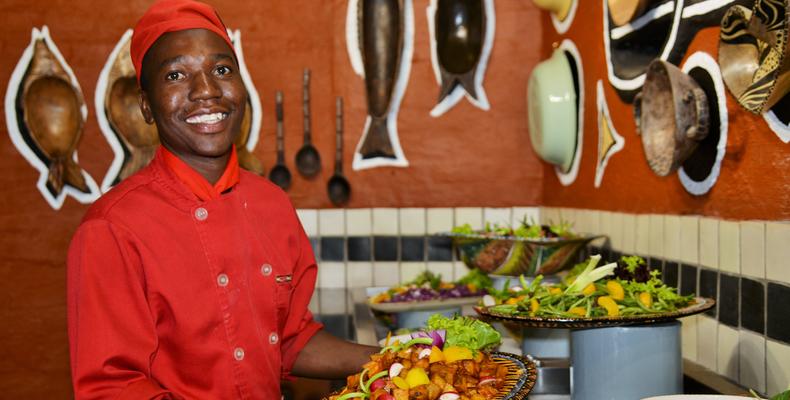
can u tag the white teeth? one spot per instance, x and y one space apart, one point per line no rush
207 118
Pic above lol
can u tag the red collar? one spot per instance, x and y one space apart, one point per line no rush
195 182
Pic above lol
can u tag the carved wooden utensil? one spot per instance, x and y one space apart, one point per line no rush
460 27
139 139
308 161
671 116
51 106
280 174
753 53
381 46
338 188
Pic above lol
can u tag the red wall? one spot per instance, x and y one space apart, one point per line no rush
755 174
466 157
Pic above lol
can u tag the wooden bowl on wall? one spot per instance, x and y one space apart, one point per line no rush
671 116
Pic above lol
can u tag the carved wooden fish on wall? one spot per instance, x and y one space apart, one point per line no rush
45 113
120 118
462 34
380 44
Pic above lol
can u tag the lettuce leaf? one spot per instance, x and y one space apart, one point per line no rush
465 332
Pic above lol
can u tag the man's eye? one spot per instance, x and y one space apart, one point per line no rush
222 70
173 76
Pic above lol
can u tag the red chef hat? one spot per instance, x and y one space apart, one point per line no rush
172 16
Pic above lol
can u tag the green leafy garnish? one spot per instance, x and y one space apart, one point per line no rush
781 396
465 332
434 280
477 278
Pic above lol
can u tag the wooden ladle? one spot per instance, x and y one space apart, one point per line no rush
280 174
338 187
308 161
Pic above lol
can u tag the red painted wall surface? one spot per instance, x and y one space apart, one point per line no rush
466 157
755 174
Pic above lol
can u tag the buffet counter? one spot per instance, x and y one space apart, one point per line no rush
346 314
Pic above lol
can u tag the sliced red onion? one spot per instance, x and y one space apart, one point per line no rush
438 337
419 334
395 369
449 396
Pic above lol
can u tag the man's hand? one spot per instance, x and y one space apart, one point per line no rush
327 357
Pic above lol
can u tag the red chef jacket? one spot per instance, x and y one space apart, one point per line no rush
173 297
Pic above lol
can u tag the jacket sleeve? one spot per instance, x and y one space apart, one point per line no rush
112 339
300 325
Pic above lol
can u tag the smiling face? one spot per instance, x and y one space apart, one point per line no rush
193 91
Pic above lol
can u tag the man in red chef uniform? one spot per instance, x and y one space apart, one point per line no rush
191 279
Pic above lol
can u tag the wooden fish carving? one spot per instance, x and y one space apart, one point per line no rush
45 113
51 106
138 139
462 32
380 34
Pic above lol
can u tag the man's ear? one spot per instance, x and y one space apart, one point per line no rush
145 107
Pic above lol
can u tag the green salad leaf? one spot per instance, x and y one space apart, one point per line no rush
781 396
477 278
465 332
464 229
434 280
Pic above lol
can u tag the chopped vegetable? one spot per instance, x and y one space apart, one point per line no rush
526 230
590 275
465 332
457 353
416 377
615 290
429 286
581 295
609 304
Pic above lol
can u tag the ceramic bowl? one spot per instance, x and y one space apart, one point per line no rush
552 110
515 256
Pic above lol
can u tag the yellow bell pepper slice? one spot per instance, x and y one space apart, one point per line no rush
400 382
436 355
610 305
456 353
416 377
615 290
580 311
589 289
646 299
534 306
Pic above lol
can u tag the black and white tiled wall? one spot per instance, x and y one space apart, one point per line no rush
744 265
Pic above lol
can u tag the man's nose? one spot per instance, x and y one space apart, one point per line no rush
204 87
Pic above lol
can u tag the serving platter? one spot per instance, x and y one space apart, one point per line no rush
701 304
521 377
424 305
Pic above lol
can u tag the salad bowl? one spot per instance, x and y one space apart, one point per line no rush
513 255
